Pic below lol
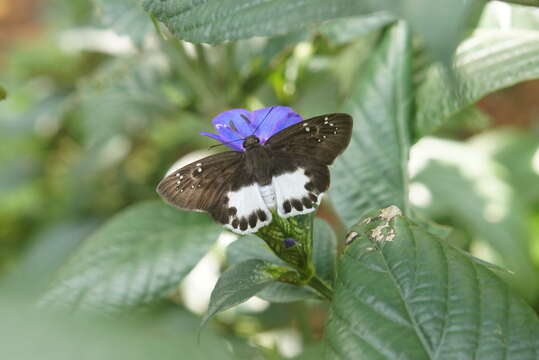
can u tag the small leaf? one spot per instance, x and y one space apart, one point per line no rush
240 282
372 173
412 296
489 61
324 257
139 256
3 93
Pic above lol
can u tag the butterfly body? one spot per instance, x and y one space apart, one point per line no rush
287 174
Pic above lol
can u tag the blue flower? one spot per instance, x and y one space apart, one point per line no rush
289 242
236 124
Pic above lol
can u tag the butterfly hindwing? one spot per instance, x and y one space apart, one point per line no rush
247 211
299 185
321 138
218 185
301 154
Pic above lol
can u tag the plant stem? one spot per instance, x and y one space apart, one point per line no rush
320 286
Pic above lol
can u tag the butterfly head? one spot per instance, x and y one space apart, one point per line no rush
251 142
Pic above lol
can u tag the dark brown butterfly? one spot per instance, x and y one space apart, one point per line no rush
288 173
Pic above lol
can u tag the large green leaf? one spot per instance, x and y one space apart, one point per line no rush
403 293
215 21
484 204
240 282
371 173
165 333
441 24
324 255
126 17
137 257
346 29
123 97
490 60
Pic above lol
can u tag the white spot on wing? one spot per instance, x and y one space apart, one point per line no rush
247 200
289 186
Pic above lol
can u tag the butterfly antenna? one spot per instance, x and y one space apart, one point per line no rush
264 119
221 144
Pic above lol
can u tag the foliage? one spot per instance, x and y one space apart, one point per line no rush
96 107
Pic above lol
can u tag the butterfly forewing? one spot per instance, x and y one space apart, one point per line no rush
218 185
321 138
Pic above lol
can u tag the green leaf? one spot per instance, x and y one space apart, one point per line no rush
50 249
324 251
215 21
523 2
371 173
126 17
499 16
489 61
139 256
167 334
240 282
346 29
3 93
484 204
123 97
324 257
412 296
442 25
515 150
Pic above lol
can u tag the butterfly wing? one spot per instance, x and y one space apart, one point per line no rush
321 138
219 185
301 154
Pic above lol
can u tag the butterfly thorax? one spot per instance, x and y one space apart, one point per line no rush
251 142
257 161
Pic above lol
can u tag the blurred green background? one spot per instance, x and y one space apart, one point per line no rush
100 102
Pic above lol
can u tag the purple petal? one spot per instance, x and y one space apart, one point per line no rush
279 118
291 119
211 135
234 116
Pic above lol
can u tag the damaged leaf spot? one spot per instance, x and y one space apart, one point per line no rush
352 235
384 232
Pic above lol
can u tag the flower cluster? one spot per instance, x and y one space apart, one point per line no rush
236 124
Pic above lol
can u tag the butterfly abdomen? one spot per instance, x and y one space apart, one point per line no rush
268 195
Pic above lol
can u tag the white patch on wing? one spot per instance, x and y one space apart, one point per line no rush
247 200
291 186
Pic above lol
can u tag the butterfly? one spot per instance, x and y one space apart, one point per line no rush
287 174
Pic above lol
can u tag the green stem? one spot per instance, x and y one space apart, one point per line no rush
320 286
